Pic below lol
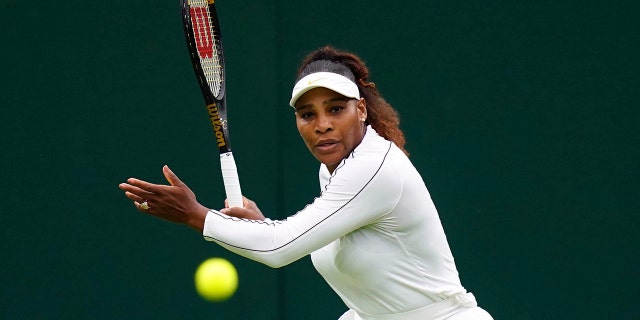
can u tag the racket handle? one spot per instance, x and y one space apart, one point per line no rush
231 180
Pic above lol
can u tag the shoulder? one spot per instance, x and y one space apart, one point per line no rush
374 160
367 179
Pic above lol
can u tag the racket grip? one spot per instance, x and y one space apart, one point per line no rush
231 180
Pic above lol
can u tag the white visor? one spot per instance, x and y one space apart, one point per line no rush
329 80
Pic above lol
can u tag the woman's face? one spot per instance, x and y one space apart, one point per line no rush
330 124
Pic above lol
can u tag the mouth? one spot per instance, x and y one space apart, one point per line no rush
326 145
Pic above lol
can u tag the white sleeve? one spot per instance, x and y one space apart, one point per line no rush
361 190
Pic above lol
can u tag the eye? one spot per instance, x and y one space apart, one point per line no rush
336 109
306 115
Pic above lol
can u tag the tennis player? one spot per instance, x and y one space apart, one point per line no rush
373 233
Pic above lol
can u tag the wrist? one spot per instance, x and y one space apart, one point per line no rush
197 218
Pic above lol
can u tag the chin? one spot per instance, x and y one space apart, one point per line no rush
330 163
331 159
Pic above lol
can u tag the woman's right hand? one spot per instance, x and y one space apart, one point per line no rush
250 210
174 202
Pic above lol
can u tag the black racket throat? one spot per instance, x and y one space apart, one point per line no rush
218 117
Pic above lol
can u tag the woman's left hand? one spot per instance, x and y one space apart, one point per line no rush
174 202
249 211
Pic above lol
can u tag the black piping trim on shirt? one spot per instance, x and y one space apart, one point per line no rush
305 232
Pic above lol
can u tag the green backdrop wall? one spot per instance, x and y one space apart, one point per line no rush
522 118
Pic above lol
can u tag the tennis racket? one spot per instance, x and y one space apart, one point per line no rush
202 32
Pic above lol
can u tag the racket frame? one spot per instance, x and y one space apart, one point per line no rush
216 104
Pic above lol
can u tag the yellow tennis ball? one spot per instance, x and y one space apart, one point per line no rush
216 279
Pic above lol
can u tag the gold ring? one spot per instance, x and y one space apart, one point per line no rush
144 205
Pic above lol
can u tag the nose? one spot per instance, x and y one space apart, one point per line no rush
323 124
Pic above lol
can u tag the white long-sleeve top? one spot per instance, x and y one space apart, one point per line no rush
373 233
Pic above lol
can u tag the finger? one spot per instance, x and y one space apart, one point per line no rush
134 197
234 212
140 207
145 186
135 190
241 213
171 177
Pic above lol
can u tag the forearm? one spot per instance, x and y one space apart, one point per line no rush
268 242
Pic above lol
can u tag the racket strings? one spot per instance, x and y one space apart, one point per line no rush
213 73
198 3
208 45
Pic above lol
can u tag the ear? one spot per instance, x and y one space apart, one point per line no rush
362 109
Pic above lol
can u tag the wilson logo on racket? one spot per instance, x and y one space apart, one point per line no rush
202 31
216 123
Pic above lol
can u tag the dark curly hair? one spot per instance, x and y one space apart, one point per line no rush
380 114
